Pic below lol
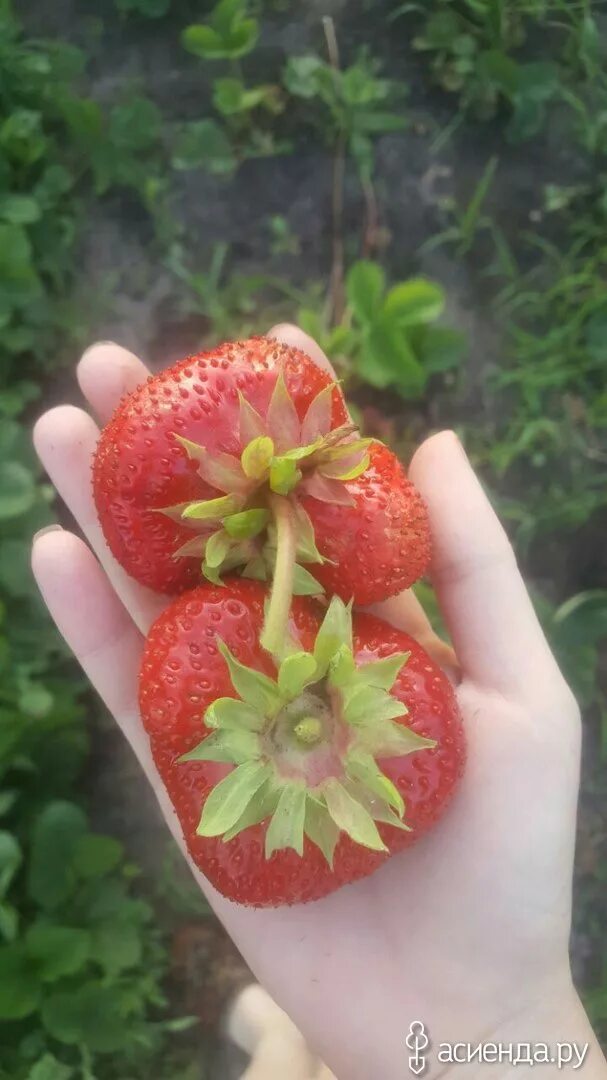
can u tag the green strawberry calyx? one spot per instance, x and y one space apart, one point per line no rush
305 746
258 524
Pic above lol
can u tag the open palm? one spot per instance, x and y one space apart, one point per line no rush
468 930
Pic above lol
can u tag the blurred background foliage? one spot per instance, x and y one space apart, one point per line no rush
422 187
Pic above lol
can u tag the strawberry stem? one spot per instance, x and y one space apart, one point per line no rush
275 628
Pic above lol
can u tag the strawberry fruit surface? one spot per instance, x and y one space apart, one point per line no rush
216 462
293 777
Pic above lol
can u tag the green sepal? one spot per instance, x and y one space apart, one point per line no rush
256 457
365 705
256 569
255 688
246 524
382 673
361 766
213 509
252 425
295 672
384 738
174 512
335 631
304 583
335 470
342 668
229 799
260 807
228 712
320 828
286 828
217 547
221 471
282 419
306 540
377 807
317 421
192 548
232 744
350 816
284 475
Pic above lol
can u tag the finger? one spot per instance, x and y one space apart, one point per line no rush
90 617
106 373
104 640
403 611
495 631
292 335
65 440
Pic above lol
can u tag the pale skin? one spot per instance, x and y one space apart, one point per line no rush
468 931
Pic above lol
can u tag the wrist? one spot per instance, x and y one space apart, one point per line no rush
553 1030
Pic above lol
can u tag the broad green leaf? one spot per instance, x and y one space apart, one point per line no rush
88 1015
286 828
414 301
10 861
20 986
56 835
203 144
58 951
49 1068
17 489
365 286
95 856
351 817
231 796
117 945
255 688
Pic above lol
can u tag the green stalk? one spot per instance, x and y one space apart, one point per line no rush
275 628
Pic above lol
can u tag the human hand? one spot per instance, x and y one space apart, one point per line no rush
468 930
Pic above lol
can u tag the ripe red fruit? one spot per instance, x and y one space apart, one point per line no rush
193 464
295 781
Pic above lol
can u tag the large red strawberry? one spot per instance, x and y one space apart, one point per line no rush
293 779
228 454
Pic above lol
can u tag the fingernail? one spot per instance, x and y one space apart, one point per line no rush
45 530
